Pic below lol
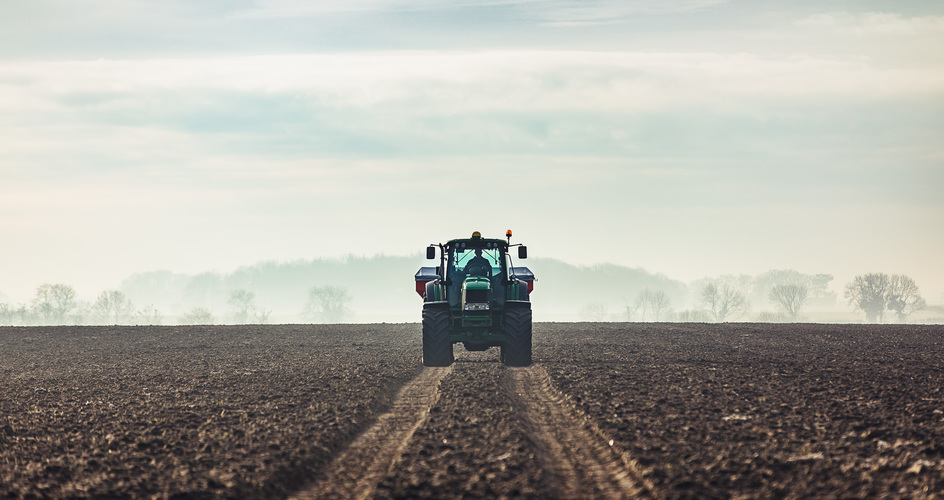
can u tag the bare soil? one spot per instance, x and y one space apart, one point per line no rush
672 410
762 410
188 412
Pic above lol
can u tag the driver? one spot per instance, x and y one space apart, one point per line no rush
479 265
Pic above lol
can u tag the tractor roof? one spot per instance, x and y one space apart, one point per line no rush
477 241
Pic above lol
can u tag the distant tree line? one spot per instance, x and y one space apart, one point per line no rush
774 296
281 291
730 298
56 304
790 292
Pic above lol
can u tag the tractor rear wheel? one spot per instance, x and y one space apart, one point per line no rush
517 327
437 349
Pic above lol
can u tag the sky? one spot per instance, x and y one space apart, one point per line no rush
691 138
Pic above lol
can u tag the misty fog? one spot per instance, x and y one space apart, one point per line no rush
381 289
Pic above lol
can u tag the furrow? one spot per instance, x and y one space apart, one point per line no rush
355 473
571 449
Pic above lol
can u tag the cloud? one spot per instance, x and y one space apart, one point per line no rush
277 9
559 12
882 24
564 14
882 38
68 120
459 81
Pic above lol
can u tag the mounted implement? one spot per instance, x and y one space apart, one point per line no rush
477 297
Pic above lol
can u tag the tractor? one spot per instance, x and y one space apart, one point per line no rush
476 296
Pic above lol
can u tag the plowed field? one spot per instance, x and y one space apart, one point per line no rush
341 411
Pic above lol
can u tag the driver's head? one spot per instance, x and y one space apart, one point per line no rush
478 252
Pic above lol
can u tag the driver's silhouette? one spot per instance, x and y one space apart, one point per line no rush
478 266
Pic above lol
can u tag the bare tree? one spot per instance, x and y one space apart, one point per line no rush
148 315
7 313
112 306
724 301
868 293
261 315
43 307
903 297
790 297
640 306
594 311
654 306
17 315
328 304
54 302
242 302
816 286
630 311
198 316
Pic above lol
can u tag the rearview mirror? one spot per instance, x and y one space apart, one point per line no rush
431 252
522 252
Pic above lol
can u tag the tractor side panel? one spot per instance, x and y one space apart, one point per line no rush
518 291
434 292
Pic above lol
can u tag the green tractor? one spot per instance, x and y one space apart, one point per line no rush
476 296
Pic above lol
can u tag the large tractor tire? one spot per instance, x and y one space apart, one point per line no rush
517 326
437 349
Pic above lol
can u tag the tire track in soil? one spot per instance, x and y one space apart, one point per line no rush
473 444
571 448
356 472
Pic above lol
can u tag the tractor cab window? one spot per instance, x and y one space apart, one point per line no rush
485 262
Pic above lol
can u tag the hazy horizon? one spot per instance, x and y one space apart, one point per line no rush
381 289
690 138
